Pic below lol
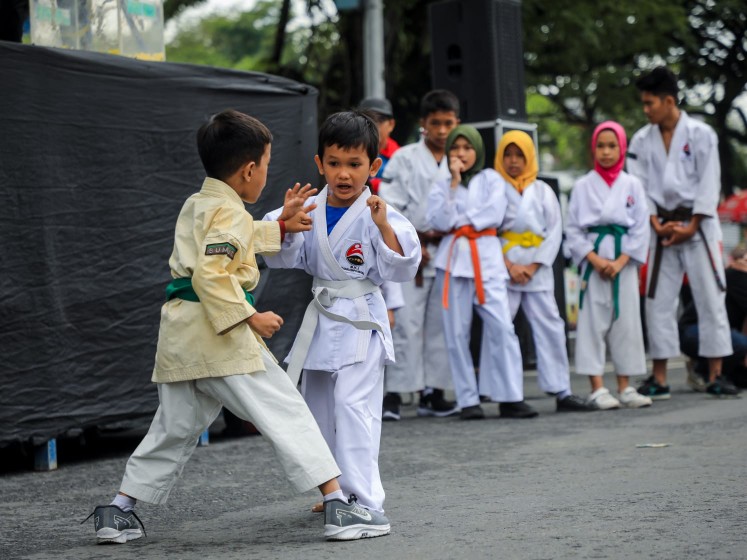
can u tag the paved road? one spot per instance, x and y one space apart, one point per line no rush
559 486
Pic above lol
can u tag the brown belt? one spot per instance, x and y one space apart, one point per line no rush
679 214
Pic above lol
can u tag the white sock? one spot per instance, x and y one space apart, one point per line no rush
336 495
125 503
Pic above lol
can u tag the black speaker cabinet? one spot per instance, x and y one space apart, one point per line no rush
478 55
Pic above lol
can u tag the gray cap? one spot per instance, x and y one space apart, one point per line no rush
377 104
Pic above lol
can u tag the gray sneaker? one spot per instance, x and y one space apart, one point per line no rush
349 521
113 525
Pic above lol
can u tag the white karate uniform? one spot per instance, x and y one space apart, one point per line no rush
537 210
344 365
689 176
594 203
481 205
418 333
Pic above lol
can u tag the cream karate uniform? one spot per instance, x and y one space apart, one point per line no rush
688 176
199 370
345 339
594 203
418 332
536 210
482 205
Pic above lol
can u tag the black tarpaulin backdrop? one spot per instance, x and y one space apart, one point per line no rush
97 155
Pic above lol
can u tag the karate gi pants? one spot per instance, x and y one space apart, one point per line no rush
597 329
690 257
267 399
418 339
548 332
501 374
347 406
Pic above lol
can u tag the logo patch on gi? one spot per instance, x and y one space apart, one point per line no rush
354 254
630 201
221 249
686 149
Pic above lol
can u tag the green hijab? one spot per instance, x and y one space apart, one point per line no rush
474 138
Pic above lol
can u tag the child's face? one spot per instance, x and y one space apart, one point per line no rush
607 150
346 172
464 152
255 177
514 161
436 128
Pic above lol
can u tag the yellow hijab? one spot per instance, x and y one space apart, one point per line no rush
526 145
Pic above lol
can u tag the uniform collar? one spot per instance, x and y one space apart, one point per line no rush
216 187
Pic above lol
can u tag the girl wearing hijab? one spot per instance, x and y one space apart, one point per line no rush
468 208
608 235
531 234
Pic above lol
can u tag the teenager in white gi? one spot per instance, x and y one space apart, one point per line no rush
210 354
607 235
531 234
676 159
422 363
357 242
469 207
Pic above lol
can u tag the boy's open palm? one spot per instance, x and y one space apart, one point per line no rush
265 324
295 198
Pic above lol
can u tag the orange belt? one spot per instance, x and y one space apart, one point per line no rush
472 235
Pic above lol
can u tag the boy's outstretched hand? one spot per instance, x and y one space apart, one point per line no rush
265 324
295 198
378 210
301 221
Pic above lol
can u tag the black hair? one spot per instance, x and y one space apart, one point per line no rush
661 82
230 139
350 129
438 100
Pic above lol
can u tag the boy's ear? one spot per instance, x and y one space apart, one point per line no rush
375 166
319 165
247 170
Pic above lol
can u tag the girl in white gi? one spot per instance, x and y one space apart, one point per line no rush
469 207
357 242
210 353
531 234
676 159
607 235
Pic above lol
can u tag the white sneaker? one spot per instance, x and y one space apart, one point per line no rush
633 399
603 400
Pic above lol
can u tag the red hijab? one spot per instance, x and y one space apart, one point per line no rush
610 174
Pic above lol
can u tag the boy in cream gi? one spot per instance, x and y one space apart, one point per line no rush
210 353
357 242
676 159
531 234
422 362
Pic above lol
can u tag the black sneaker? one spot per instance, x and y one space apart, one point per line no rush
516 410
392 402
722 388
474 412
434 404
650 388
114 525
573 403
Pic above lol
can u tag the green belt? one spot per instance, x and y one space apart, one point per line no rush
617 231
182 288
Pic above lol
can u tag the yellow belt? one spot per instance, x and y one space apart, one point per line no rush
522 239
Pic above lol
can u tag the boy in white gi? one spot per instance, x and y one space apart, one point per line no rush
210 353
531 234
468 208
676 159
607 236
422 364
357 242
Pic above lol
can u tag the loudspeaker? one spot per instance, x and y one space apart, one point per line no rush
478 55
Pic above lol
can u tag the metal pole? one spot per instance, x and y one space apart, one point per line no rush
373 49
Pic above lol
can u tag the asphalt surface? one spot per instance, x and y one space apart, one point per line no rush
558 486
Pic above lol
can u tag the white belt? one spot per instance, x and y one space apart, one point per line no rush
325 293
